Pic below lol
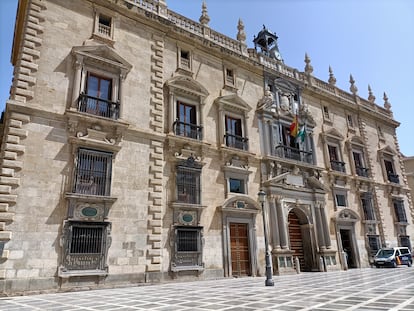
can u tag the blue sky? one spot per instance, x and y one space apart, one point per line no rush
371 39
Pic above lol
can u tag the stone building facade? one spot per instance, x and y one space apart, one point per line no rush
135 142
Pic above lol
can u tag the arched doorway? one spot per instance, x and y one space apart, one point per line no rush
299 238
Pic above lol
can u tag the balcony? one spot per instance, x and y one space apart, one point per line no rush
361 171
98 107
393 178
235 141
188 130
338 166
293 154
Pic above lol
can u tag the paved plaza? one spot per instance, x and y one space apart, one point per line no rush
356 289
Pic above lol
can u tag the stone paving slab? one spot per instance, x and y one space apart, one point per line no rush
356 289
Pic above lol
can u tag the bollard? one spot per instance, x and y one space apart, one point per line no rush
297 265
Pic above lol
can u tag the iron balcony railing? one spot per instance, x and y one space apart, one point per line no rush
338 166
235 141
362 171
393 178
98 106
287 152
188 130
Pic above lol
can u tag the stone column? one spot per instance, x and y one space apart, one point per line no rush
220 125
282 224
319 227
274 228
171 109
325 226
76 82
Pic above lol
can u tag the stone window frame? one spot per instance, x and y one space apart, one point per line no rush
103 61
239 173
356 145
185 58
334 138
100 31
388 154
187 260
235 107
189 91
399 212
340 192
229 73
109 156
327 115
70 269
368 209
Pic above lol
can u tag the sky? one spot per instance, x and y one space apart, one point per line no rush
371 39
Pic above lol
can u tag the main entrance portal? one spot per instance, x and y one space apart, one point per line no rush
240 254
295 237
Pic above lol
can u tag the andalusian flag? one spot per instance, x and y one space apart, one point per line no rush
301 135
294 127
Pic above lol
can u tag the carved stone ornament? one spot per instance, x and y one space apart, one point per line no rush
267 100
187 153
96 134
238 163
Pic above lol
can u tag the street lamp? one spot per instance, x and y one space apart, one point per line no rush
269 280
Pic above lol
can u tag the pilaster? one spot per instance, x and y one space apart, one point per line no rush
154 255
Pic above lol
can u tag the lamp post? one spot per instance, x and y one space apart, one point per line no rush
269 280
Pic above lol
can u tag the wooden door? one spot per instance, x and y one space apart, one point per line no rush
240 253
295 236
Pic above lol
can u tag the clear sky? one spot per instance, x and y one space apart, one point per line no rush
371 39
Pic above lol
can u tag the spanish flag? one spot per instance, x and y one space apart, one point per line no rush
294 127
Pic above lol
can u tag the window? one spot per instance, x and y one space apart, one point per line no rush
230 79
185 113
236 185
188 249
234 133
188 184
85 246
186 123
336 164
104 25
350 120
93 172
399 210
340 200
184 60
325 111
99 73
97 99
389 168
360 168
366 202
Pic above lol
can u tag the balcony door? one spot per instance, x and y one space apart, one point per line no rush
187 120
99 95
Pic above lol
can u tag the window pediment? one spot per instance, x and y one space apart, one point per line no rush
187 85
102 54
356 141
333 134
240 204
387 150
233 103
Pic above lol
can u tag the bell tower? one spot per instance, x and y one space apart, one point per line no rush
267 41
